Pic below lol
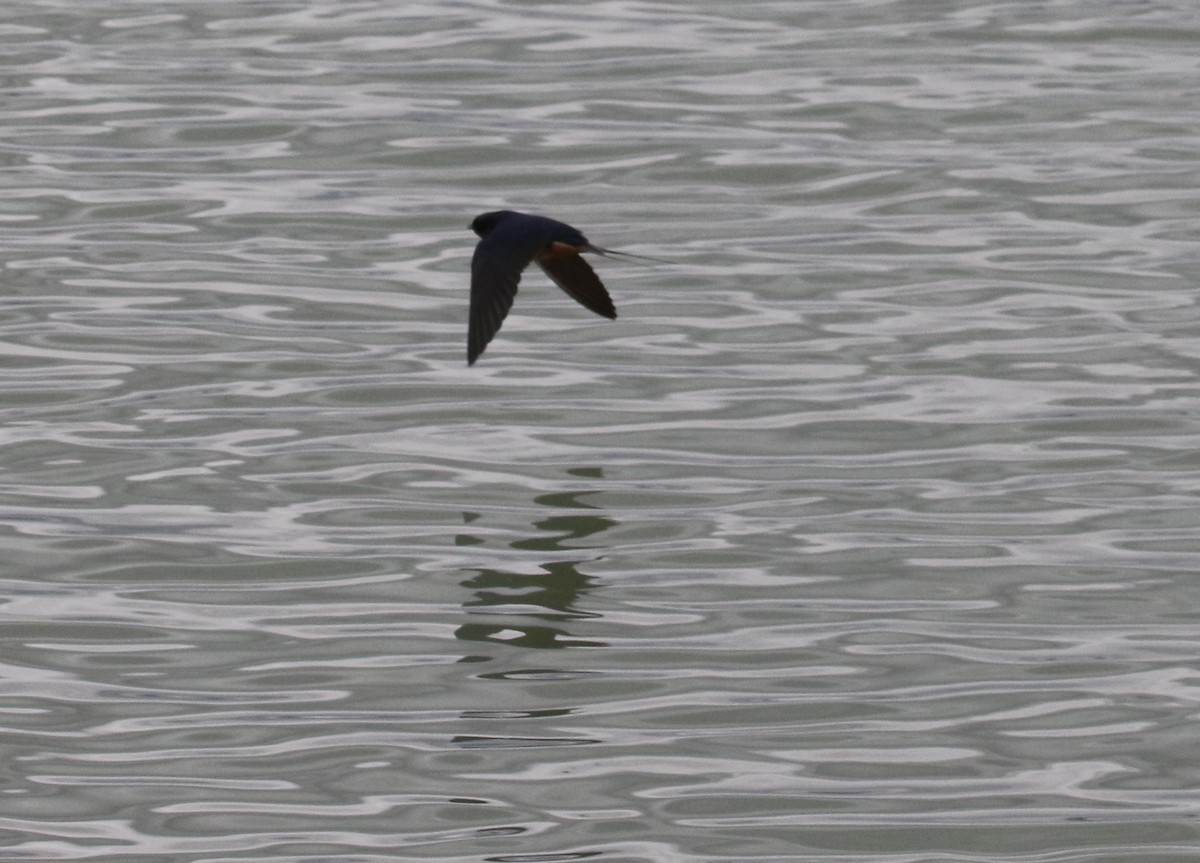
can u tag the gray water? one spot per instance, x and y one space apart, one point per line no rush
868 533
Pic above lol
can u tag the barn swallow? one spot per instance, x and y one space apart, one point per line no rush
509 241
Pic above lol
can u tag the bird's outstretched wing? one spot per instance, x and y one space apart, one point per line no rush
574 275
495 272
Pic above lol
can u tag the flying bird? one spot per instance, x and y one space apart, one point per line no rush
509 242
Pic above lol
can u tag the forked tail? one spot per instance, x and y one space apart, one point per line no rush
614 253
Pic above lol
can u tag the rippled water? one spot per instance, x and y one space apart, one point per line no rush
868 533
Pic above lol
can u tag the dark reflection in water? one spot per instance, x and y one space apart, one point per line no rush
532 610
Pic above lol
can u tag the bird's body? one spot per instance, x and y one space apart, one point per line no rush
509 242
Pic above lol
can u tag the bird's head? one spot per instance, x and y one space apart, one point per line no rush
485 223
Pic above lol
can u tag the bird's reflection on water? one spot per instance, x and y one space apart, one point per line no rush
534 609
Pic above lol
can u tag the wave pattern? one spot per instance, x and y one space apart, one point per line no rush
866 534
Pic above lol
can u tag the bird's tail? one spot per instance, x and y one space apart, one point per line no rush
614 253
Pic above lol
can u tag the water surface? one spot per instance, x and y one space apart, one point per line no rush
866 534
